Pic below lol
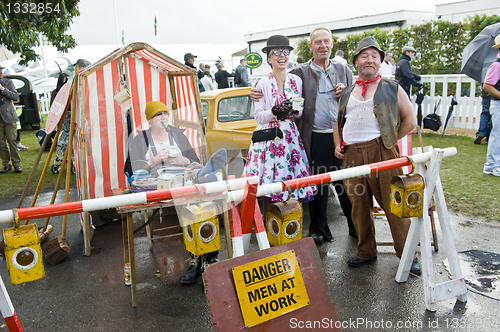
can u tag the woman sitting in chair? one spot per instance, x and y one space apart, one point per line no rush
162 145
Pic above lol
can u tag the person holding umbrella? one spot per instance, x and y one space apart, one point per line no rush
477 57
492 87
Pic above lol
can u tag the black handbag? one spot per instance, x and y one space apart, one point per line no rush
432 121
267 134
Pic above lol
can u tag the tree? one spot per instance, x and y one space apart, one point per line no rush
439 44
303 50
21 23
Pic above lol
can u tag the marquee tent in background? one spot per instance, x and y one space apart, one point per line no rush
101 137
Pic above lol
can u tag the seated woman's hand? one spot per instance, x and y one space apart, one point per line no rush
179 160
162 156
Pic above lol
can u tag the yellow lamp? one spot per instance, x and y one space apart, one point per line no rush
200 226
407 195
23 253
284 222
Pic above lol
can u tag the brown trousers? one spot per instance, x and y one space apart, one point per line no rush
361 189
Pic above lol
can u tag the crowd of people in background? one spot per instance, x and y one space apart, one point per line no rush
208 81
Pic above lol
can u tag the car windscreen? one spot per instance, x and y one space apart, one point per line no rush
235 109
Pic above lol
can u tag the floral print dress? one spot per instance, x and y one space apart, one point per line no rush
285 160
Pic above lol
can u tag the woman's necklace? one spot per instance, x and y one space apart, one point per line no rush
280 83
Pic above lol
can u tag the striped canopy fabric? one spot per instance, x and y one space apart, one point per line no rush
102 139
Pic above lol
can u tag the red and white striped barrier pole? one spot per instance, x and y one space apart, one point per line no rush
272 188
232 187
8 312
121 200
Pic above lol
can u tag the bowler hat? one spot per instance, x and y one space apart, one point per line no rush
277 41
367 43
497 42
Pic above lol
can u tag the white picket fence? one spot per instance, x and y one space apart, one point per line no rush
465 114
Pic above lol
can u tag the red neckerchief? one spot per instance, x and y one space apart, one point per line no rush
365 83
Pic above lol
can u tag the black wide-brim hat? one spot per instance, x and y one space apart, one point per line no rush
367 43
277 41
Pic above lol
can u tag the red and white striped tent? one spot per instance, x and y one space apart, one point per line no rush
101 138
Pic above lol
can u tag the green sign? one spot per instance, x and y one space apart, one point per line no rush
254 60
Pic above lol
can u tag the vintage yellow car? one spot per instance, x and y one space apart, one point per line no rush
229 123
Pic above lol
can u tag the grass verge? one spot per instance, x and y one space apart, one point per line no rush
14 183
466 188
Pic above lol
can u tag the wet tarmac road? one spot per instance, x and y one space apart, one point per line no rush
88 293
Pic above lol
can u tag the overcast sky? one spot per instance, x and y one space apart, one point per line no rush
215 21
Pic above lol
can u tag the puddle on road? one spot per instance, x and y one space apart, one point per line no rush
481 270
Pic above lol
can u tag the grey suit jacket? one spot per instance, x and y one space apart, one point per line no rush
9 94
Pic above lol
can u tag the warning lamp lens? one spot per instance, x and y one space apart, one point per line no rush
292 229
413 200
189 232
273 227
397 198
207 231
25 258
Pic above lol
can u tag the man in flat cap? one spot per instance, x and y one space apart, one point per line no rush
404 75
374 114
189 61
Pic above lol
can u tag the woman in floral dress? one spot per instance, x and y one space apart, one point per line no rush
286 159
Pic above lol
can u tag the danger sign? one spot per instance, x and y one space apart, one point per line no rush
269 288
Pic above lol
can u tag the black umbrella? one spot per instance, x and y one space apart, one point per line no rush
420 99
450 111
480 54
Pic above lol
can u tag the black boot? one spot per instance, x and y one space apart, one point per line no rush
210 258
192 272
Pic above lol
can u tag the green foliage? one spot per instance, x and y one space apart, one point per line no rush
20 26
439 44
302 50
477 23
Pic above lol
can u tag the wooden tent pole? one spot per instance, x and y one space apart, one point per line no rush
83 162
